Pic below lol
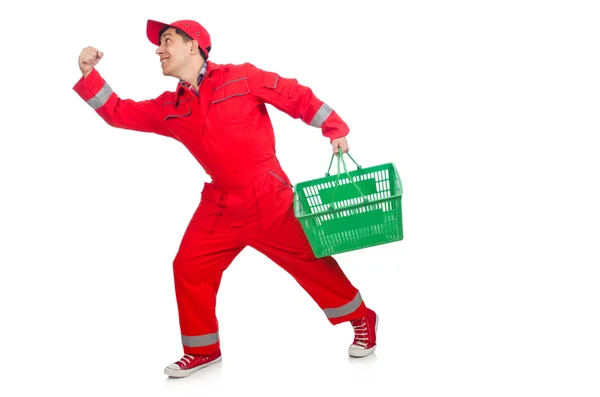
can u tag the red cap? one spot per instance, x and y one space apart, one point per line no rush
192 28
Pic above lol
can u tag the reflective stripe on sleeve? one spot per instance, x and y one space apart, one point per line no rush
322 114
101 97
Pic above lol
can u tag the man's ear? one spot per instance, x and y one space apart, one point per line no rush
194 48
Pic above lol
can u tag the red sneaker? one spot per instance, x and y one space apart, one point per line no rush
190 363
365 335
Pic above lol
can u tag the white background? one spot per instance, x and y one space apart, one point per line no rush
489 109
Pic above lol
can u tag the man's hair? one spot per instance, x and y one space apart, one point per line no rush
186 38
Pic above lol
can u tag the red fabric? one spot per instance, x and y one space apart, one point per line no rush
249 201
227 129
227 222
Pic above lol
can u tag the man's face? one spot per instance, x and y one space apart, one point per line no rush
173 52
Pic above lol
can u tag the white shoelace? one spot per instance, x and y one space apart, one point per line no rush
361 334
187 358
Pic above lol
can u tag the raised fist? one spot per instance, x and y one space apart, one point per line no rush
89 58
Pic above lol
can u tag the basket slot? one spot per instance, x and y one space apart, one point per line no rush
347 190
388 230
353 222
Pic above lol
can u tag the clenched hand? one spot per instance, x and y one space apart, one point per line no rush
340 143
89 58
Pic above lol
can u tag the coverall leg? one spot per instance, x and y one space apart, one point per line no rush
219 230
322 278
207 248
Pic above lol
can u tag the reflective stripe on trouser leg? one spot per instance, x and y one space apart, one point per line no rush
346 309
200 340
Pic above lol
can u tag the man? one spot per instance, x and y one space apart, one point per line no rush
218 111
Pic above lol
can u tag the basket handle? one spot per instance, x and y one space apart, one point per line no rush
340 154
337 181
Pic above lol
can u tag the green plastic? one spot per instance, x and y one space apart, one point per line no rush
351 210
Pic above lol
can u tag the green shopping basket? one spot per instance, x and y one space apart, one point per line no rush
360 209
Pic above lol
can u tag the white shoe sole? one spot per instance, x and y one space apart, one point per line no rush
181 373
359 351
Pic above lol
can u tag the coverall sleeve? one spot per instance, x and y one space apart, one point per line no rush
121 113
296 100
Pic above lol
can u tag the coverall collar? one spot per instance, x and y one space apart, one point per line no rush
207 68
198 80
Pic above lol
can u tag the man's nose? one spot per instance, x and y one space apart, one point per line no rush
159 50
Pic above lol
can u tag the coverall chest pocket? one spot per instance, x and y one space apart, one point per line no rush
178 119
231 104
183 110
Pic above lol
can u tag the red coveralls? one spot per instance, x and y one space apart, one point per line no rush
249 201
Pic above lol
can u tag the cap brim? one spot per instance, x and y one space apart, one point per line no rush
153 29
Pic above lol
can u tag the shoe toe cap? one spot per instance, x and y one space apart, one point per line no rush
360 351
357 347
